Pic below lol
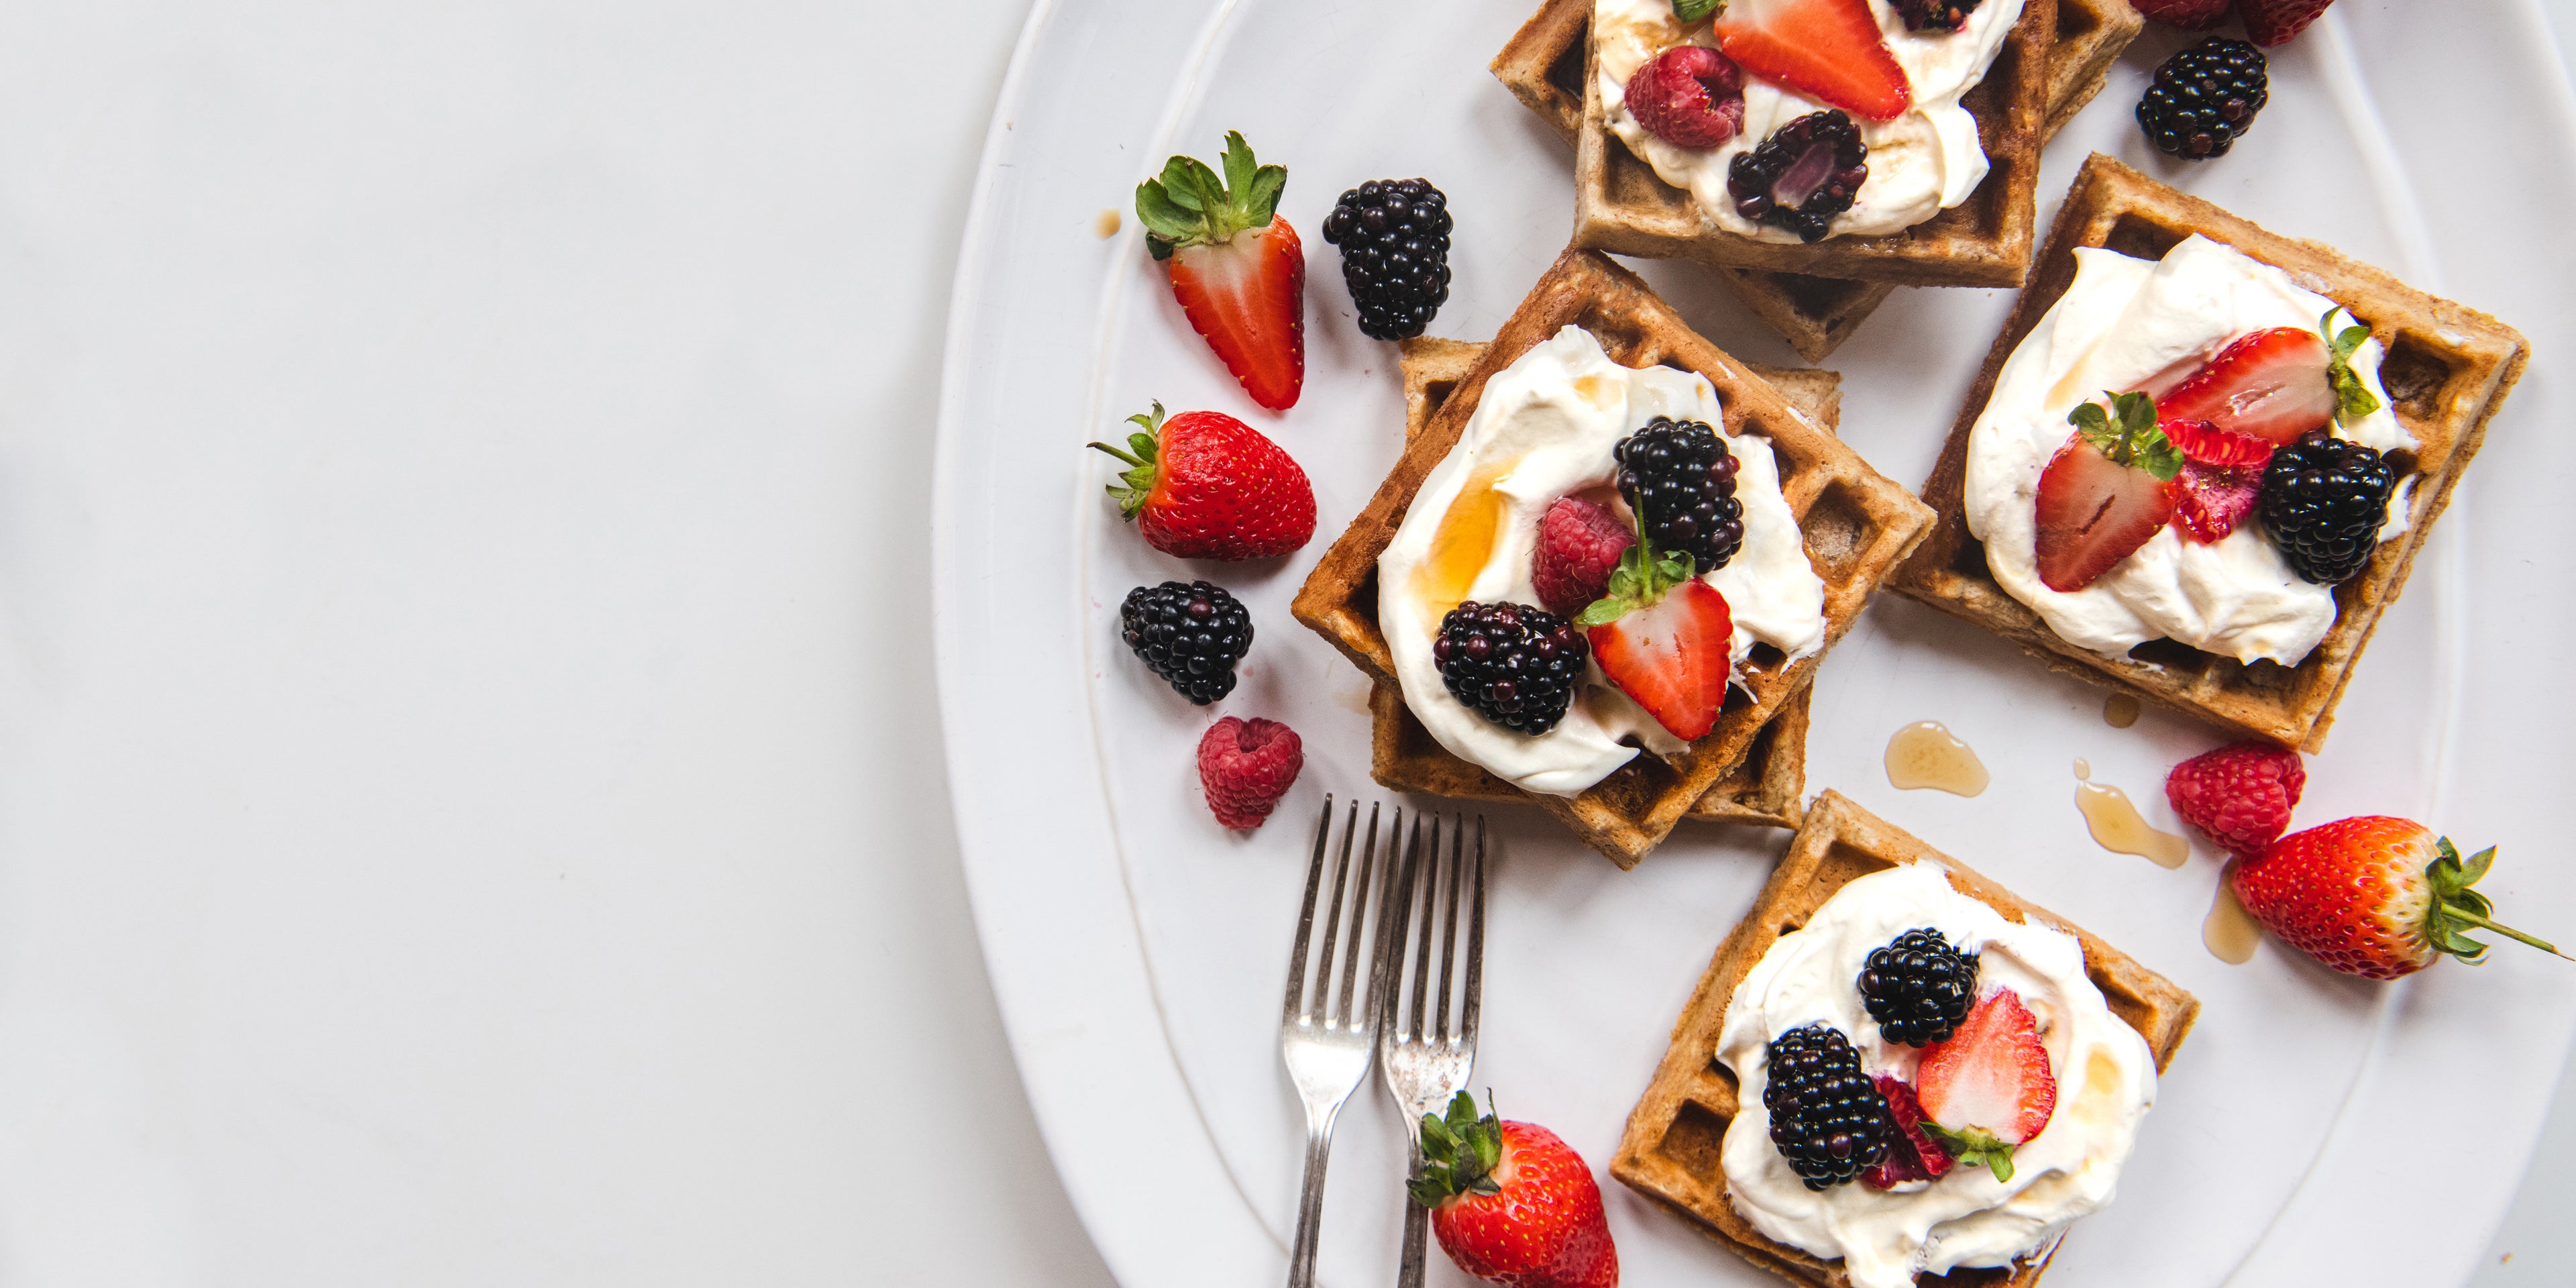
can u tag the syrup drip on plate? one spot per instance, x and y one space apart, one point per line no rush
2231 933
1924 754
2120 710
1106 225
2118 827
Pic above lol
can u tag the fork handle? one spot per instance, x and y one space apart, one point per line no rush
1310 1201
1417 1232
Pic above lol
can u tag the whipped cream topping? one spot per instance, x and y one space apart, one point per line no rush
1920 164
2106 1082
1543 429
2129 323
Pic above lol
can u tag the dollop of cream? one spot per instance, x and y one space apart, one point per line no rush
2106 1082
1920 164
2128 323
1543 429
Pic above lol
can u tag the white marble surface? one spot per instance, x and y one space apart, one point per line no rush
558 896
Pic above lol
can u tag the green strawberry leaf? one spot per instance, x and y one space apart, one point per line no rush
2457 908
2134 439
1641 580
2353 399
1188 205
1459 1154
1694 10
1144 454
1975 1145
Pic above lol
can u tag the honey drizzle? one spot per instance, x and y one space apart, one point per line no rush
2118 827
2231 934
2120 710
1925 754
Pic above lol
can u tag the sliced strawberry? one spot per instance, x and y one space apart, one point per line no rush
2222 474
1912 1154
1237 267
1989 1088
2095 511
1674 655
2271 384
1829 50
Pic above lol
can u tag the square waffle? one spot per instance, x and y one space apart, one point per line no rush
1543 67
1765 788
2447 368
1857 523
1669 1152
1621 205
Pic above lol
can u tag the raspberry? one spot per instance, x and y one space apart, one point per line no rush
1578 544
1245 766
1912 1154
1689 95
2241 795
2191 15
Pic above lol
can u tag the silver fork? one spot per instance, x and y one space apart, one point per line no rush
1326 1043
1424 1067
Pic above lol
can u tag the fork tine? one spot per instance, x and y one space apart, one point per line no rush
1449 931
1386 947
1342 1012
1475 941
1428 871
1288 1010
1319 1002
1396 933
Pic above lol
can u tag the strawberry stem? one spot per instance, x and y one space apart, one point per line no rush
2458 913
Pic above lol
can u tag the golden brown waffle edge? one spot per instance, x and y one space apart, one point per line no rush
1669 1151
2447 370
1857 524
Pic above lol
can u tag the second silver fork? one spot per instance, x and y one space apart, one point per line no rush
1425 1063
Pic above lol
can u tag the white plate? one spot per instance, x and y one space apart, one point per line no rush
2311 1127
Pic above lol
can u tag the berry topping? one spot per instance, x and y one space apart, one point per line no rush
2222 473
1579 544
1829 50
2105 493
1207 486
1666 639
1912 1154
2191 15
1935 15
2324 500
2240 795
1827 1117
1689 95
2274 384
1803 176
1245 766
1680 479
1191 633
1510 663
1236 266
1394 235
2203 98
2374 896
1918 987
1989 1089
2274 22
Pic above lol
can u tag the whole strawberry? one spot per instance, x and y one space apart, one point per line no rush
1237 267
1245 766
2373 896
1207 486
2240 795
1512 1204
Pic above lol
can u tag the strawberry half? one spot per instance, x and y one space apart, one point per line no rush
1666 639
1829 50
2222 475
1988 1090
2271 384
2374 896
2105 493
1236 266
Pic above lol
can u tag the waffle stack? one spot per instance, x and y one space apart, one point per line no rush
1857 523
1765 788
1546 66
2447 370
1669 1152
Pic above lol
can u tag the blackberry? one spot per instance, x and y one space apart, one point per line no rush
1680 479
1802 176
1394 235
2204 97
1918 987
2324 500
1827 1117
1513 664
1935 15
1191 634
